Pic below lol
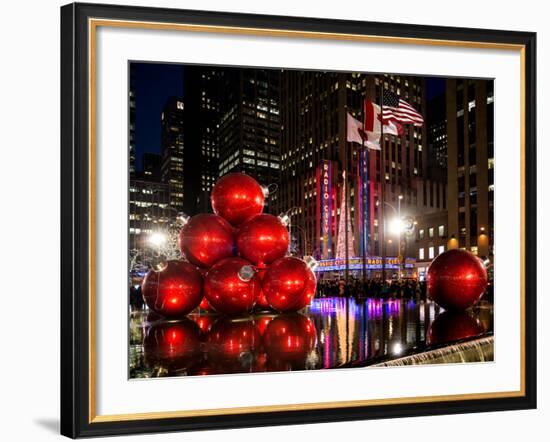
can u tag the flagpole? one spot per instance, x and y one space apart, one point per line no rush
383 179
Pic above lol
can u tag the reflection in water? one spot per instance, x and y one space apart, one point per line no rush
330 333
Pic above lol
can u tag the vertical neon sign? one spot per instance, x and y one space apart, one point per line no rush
325 193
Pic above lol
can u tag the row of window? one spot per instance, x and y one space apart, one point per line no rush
431 232
431 252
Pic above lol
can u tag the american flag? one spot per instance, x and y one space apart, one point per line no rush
399 111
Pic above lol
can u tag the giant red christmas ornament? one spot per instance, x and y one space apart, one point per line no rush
174 291
237 197
174 345
262 239
205 239
229 289
452 326
456 279
289 284
288 339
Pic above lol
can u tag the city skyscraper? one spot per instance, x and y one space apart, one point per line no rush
172 151
470 129
202 85
437 132
250 126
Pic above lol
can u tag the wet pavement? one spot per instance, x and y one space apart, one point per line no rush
330 333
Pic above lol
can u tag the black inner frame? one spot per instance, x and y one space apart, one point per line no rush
75 220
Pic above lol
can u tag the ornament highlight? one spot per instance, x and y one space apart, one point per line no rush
456 279
206 239
174 291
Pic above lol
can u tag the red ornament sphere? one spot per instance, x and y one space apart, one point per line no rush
456 279
206 239
288 339
452 326
227 291
289 284
173 292
173 345
262 239
237 197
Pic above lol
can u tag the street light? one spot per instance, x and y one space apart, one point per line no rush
397 227
157 239
158 261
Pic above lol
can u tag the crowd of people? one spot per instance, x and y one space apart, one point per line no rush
372 288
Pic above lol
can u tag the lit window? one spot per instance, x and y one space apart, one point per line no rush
440 250
441 231
421 234
430 253
421 253
431 232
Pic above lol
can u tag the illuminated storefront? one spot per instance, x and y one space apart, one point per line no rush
373 266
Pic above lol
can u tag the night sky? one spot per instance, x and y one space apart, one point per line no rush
155 83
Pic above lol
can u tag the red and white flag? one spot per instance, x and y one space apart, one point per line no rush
357 134
373 121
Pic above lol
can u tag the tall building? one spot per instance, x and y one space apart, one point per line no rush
172 151
315 155
149 211
202 86
470 130
250 126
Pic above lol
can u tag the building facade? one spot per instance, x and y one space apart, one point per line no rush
314 106
172 151
203 89
437 133
470 129
428 240
149 212
250 126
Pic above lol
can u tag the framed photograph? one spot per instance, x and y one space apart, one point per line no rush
277 220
